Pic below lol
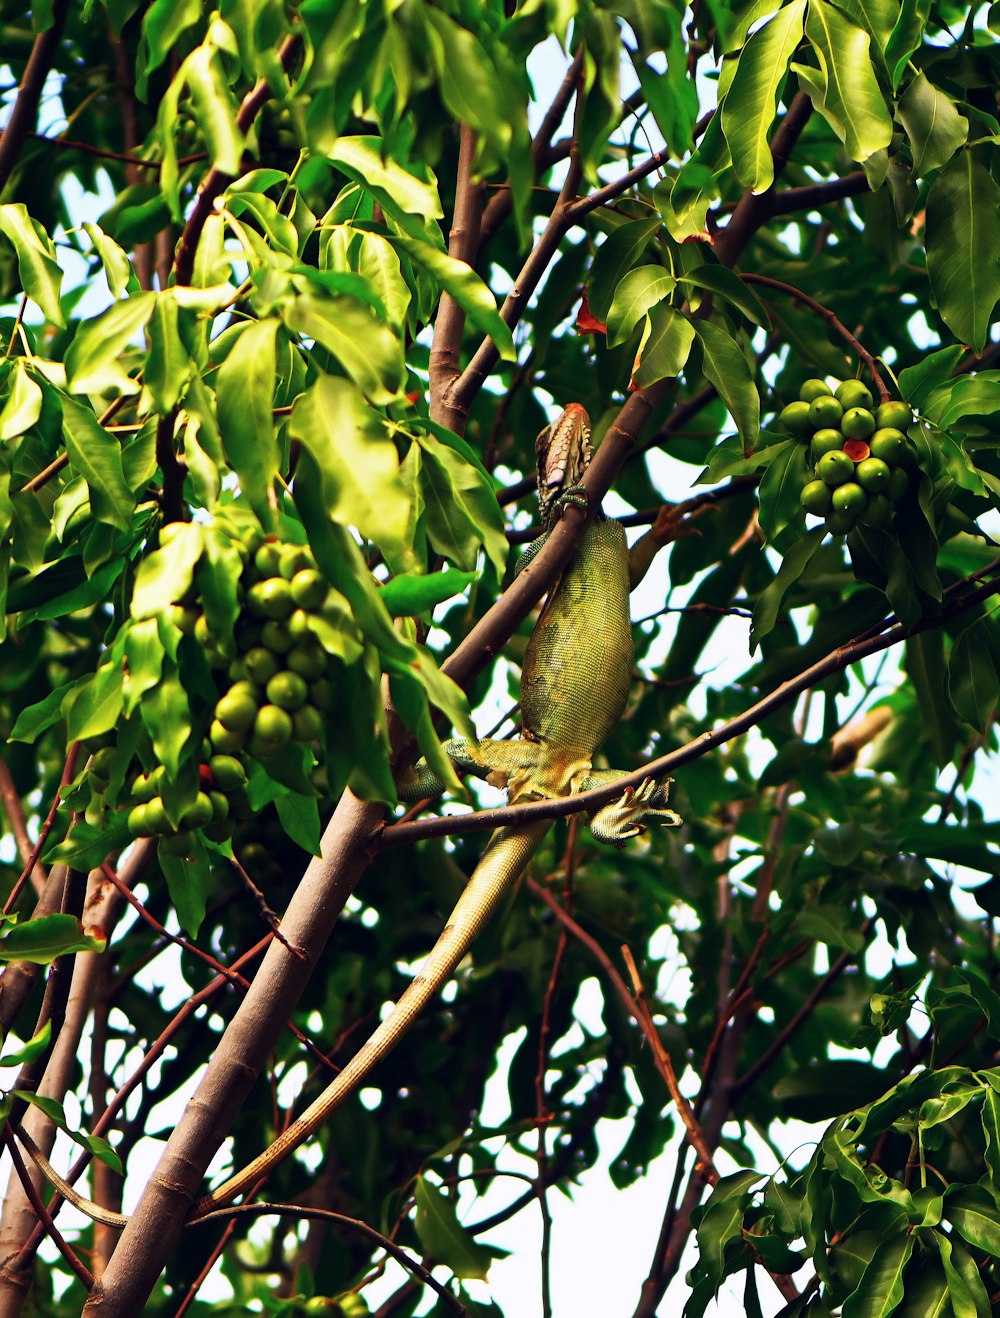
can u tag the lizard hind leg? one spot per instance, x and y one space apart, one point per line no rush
630 814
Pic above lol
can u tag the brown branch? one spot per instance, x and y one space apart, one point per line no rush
14 811
23 115
558 807
463 242
639 1012
75 1265
832 320
813 195
354 1224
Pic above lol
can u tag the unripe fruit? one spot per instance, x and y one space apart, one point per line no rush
873 475
276 637
298 625
271 598
309 661
102 762
308 589
825 411
889 444
899 483
825 441
237 708
220 806
238 671
267 559
156 816
143 788
225 740
793 419
198 813
839 523
261 665
178 844
295 559
857 423
813 389
816 498
895 414
307 723
835 468
138 822
878 512
287 690
227 772
219 830
852 393
272 725
321 694
850 498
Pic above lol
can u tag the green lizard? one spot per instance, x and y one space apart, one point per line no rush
575 682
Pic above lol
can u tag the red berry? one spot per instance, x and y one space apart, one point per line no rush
205 777
856 449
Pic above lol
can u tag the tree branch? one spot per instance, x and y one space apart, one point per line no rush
19 828
25 111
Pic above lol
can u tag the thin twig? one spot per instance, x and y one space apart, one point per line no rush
49 1228
69 770
340 1219
14 811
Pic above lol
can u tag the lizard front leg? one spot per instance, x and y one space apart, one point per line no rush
630 814
494 761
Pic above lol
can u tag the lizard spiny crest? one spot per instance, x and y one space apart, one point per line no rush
562 455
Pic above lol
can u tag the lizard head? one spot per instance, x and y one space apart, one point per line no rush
562 455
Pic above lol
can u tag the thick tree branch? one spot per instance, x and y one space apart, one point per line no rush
25 111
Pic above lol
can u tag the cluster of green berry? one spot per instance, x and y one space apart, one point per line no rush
860 455
279 681
221 800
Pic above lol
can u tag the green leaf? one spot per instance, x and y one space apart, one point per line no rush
851 100
794 563
168 366
214 109
460 507
23 404
973 681
37 718
639 290
731 288
55 1112
991 1132
164 22
92 359
245 400
617 254
684 201
35 1046
95 705
780 487
97 456
963 242
188 881
350 445
965 1287
725 366
398 192
461 282
165 576
407 595
444 1238
50 936
748 109
167 716
470 86
117 267
975 1217
299 817
955 845
881 1287
935 128
925 665
37 267
368 350
917 383
665 348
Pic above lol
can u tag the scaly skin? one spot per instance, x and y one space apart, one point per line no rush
575 681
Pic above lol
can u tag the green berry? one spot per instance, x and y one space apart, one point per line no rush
261 665
307 723
227 772
852 393
850 498
793 420
835 468
895 414
813 389
857 423
889 444
138 822
237 709
816 498
276 637
825 411
899 483
825 441
267 559
198 813
309 661
225 740
873 475
287 690
273 725
296 559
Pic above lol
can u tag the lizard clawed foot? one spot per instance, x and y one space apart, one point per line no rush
628 816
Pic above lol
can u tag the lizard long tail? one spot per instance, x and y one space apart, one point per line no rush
506 855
